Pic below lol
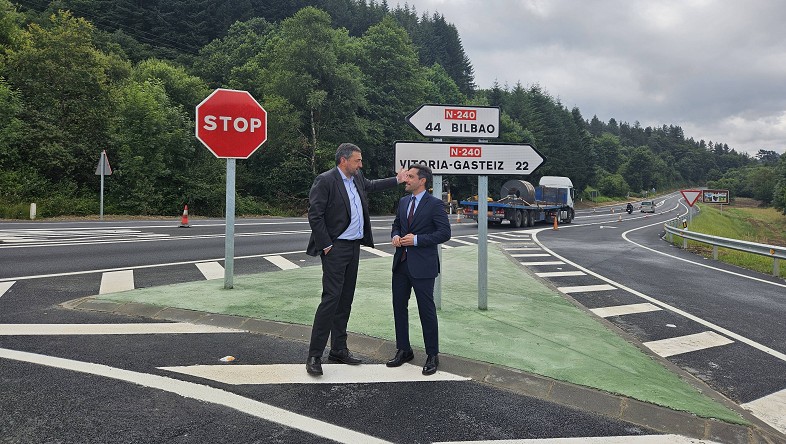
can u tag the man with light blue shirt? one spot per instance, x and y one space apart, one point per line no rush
340 223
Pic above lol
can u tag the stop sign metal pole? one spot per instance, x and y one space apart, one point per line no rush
229 236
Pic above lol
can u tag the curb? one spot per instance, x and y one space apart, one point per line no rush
618 407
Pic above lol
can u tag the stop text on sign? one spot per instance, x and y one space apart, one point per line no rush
466 151
239 124
480 122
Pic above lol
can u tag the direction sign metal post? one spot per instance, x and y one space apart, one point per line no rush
437 190
483 246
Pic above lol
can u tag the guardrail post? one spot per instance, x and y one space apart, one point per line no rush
776 267
684 243
715 252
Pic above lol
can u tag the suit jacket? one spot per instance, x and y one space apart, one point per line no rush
329 213
432 227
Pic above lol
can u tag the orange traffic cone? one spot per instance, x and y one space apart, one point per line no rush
555 222
184 220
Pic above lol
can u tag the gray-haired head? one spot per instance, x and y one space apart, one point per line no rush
345 150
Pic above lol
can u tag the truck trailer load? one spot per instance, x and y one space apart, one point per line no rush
523 204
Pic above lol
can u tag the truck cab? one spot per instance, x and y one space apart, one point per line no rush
567 194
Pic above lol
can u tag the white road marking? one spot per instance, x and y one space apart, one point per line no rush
375 251
110 329
446 246
531 255
5 286
211 270
543 263
671 308
620 310
688 343
550 274
116 281
282 263
489 240
771 409
523 249
586 288
462 241
296 374
505 238
201 393
637 439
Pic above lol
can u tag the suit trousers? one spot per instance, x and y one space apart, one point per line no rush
339 276
403 284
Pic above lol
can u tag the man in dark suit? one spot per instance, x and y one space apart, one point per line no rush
421 224
340 223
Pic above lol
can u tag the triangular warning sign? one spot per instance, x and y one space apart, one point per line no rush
691 196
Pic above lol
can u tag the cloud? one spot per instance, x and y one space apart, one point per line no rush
716 68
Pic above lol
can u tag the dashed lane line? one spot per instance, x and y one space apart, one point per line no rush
110 329
586 288
211 270
201 393
621 310
282 262
688 343
375 251
771 409
5 286
544 263
550 274
525 255
116 281
296 374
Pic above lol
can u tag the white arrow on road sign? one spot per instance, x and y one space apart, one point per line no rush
691 196
480 159
477 122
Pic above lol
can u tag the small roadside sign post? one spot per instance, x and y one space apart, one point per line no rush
232 125
103 169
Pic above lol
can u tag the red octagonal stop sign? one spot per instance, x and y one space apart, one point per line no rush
231 124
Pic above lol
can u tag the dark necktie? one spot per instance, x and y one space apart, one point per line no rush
410 216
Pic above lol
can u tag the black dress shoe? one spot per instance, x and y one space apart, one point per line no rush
432 362
400 358
314 365
343 356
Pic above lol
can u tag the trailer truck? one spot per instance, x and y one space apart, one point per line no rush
523 204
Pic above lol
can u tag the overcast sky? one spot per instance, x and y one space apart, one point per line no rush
715 68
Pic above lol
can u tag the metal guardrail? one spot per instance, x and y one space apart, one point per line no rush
775 252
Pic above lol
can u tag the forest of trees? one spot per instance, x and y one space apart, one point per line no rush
81 76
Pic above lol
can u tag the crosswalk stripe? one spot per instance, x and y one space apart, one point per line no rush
211 270
202 393
462 241
544 263
489 240
770 409
531 255
523 249
296 374
375 251
619 310
586 288
549 274
5 286
689 343
282 262
109 329
116 281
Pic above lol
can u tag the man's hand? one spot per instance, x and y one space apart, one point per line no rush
401 175
408 240
396 241
327 250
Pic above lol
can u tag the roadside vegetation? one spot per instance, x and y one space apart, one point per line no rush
81 76
743 221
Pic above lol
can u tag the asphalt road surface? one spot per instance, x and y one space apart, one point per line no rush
54 392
